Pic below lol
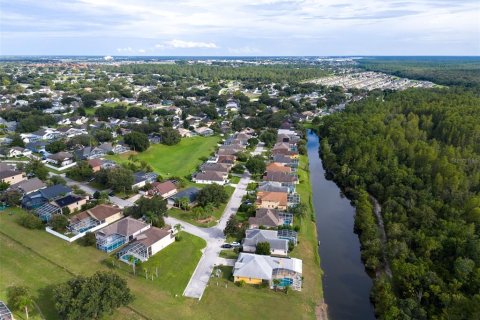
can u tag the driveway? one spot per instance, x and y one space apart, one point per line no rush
259 149
214 238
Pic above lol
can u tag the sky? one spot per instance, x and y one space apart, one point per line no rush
239 27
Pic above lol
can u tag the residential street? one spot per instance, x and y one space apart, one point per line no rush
214 237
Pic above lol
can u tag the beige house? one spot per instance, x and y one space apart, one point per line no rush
272 200
101 214
72 202
12 176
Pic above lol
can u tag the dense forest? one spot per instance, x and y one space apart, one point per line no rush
449 71
260 73
418 153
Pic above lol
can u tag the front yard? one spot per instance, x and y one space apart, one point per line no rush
208 219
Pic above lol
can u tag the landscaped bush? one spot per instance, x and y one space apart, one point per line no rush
59 223
88 240
30 221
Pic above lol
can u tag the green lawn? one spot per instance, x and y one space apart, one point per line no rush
229 254
40 260
189 216
234 179
178 160
183 254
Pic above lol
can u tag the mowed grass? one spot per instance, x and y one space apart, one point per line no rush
180 160
40 261
175 264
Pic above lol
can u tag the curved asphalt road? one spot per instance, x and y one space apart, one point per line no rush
214 238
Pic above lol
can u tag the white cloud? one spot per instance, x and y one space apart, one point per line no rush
125 50
181 44
142 50
243 27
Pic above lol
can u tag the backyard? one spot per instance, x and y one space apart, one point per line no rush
179 160
39 260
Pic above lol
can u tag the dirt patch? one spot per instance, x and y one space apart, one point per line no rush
206 220
321 311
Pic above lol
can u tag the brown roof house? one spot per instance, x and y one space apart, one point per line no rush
272 200
118 233
98 215
209 177
278 167
30 185
270 218
285 178
164 189
12 176
60 159
95 164
146 244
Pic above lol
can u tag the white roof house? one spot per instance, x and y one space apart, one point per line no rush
250 267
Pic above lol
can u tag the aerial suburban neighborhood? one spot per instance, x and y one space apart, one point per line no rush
167 179
239 160
187 184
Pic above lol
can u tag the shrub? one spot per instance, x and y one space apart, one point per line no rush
59 223
30 221
88 240
241 283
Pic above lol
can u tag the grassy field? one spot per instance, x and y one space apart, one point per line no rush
179 160
189 216
39 260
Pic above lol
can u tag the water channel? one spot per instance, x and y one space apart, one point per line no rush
346 285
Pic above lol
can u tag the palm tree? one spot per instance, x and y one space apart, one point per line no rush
183 203
20 298
131 259
178 227
276 283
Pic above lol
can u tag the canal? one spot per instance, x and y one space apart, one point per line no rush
346 285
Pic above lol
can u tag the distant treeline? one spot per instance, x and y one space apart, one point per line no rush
449 71
418 153
273 73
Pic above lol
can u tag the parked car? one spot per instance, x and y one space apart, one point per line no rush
235 244
227 246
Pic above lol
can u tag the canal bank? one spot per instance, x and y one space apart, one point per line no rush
346 285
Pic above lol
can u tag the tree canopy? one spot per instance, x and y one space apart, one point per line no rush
418 153
91 297
213 194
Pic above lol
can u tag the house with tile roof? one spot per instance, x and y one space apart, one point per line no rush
146 244
270 218
119 233
88 219
272 200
